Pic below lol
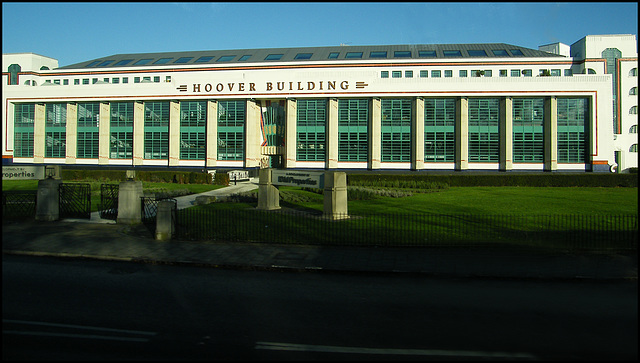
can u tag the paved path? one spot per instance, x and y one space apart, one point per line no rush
104 239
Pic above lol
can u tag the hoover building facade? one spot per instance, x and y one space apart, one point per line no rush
405 107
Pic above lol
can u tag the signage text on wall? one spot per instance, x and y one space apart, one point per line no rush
298 178
30 172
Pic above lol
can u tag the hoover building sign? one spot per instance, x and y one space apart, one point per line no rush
298 178
23 172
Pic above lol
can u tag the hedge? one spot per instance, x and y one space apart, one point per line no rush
470 180
180 177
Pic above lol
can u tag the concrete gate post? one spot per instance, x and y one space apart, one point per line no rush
164 221
129 202
335 195
48 200
268 194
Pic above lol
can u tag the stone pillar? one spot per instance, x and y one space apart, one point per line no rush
252 135
174 133
71 151
48 200
104 127
550 133
138 133
462 133
375 133
129 202
335 195
417 131
39 134
505 131
212 133
290 134
268 194
164 220
331 161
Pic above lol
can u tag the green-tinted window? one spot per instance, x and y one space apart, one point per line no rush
88 143
121 114
121 130
193 120
231 121
396 130
88 120
24 117
311 122
156 145
88 114
121 144
439 129
55 143
353 121
424 73
396 74
528 135
56 114
156 113
156 130
573 116
436 74
192 145
484 143
384 74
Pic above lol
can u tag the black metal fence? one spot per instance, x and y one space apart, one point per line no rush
19 204
570 232
75 200
109 201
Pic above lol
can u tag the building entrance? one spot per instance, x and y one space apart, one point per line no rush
272 123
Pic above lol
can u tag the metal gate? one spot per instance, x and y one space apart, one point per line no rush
75 200
19 204
109 201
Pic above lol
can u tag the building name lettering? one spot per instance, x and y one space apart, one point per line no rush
269 86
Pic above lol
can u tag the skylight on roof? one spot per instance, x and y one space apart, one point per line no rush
123 62
427 53
142 61
452 53
378 55
500 53
93 63
303 56
274 57
226 58
516 52
477 53
333 55
183 60
162 61
245 57
354 55
402 54
203 59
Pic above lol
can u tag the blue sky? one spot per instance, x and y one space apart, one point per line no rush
76 32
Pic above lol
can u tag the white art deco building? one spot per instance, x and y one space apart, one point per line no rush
407 107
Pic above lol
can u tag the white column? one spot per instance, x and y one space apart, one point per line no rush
39 134
505 131
375 133
174 133
72 133
138 133
212 133
104 127
417 131
290 136
462 133
331 161
252 135
550 133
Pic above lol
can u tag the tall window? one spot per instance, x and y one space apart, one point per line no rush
396 130
573 115
24 117
156 130
353 121
193 119
311 122
528 136
439 129
231 121
88 135
611 55
55 130
121 137
14 69
484 142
